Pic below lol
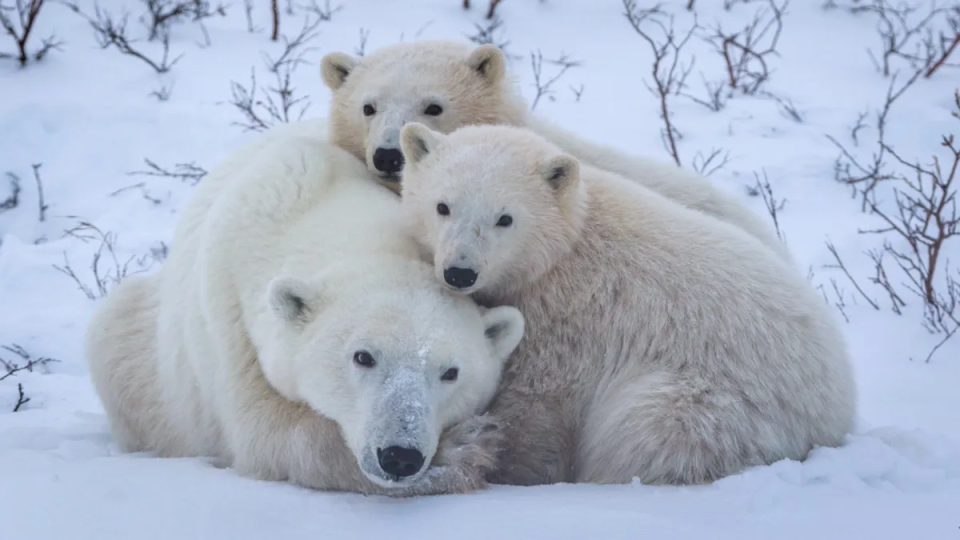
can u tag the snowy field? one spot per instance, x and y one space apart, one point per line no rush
81 122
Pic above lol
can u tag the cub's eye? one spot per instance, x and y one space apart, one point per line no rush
433 110
364 359
443 209
505 221
450 375
368 110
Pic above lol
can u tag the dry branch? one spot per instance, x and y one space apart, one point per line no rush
185 172
17 21
746 53
669 74
28 363
544 86
917 229
13 200
111 32
105 278
279 103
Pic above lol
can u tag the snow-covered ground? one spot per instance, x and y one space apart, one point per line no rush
87 115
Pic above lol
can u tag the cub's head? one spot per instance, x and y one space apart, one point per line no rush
393 367
496 206
442 84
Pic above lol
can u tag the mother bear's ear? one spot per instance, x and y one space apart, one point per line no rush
293 300
488 61
335 67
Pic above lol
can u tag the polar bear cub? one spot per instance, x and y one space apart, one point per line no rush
660 343
449 84
299 337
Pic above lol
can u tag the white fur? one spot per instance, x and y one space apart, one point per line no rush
243 346
661 343
473 86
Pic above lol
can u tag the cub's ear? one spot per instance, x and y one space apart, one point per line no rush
561 172
417 141
488 61
335 67
292 300
503 328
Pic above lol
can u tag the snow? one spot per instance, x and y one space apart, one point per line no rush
87 115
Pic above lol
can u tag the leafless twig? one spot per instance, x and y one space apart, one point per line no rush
542 84
28 363
669 75
488 34
766 192
17 21
861 176
707 165
185 172
162 13
13 200
104 278
324 12
111 32
746 53
279 103
275 10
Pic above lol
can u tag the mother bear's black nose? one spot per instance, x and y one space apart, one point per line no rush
399 461
388 160
460 278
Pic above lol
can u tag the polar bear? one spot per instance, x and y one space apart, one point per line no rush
661 343
449 84
297 336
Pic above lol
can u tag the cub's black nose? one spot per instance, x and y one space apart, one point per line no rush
388 160
460 278
399 461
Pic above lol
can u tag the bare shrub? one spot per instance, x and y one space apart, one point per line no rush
105 267
746 53
490 33
668 72
710 163
324 12
17 21
279 103
919 33
16 187
24 362
864 176
544 85
162 13
915 233
765 191
185 172
13 200
110 31
945 43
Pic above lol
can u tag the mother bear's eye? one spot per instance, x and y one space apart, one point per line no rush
364 359
450 375
443 209
368 110
505 220
433 110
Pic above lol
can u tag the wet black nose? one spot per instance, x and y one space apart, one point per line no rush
399 461
388 160
460 278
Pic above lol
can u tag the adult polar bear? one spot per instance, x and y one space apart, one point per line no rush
294 333
660 343
448 84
